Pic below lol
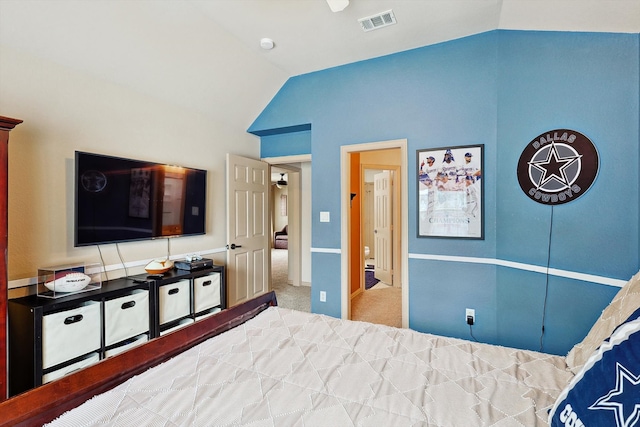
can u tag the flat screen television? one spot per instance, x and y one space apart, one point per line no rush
121 200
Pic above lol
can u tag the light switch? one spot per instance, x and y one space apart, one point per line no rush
325 217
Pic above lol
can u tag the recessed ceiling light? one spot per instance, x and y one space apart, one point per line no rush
266 43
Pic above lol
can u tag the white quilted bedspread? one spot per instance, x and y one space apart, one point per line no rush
288 368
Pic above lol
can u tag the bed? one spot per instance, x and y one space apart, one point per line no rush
269 366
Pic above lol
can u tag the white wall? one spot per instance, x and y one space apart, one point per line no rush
66 110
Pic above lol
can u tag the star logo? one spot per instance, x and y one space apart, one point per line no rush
623 400
557 167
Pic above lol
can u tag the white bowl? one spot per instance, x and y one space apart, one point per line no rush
159 266
68 282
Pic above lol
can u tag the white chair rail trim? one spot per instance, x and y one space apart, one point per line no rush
504 263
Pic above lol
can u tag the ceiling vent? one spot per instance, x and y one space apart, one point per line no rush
373 22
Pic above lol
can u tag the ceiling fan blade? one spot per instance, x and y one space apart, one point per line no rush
338 5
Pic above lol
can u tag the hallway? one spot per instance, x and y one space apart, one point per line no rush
289 296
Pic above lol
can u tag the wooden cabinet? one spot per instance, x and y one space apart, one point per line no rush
49 338
6 125
180 299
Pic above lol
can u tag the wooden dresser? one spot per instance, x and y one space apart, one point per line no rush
6 125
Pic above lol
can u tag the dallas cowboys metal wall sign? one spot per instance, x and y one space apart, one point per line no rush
557 167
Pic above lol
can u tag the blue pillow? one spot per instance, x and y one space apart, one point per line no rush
606 391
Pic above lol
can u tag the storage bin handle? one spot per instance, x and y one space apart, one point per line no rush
207 283
174 291
73 319
128 304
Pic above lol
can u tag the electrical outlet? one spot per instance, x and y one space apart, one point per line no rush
323 296
470 316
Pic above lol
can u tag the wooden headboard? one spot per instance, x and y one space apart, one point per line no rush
43 404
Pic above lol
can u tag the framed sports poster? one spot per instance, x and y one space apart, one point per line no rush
450 192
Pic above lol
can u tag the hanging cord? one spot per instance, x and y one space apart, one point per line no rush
471 333
124 266
546 286
104 268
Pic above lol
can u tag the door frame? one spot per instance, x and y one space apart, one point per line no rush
345 173
293 224
294 213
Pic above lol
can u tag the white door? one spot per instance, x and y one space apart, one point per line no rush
248 255
383 224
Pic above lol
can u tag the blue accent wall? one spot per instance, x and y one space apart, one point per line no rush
500 89
327 279
586 82
285 144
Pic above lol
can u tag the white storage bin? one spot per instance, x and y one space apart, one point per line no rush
70 333
126 317
93 358
175 301
141 339
208 313
181 324
206 292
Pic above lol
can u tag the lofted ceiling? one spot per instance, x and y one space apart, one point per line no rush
205 55
309 37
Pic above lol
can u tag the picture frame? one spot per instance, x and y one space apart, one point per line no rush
450 192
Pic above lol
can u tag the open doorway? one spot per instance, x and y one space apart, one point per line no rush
286 238
379 296
388 159
379 214
279 241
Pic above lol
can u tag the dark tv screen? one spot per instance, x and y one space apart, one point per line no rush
120 200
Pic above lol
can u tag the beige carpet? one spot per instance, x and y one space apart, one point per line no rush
288 296
382 306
